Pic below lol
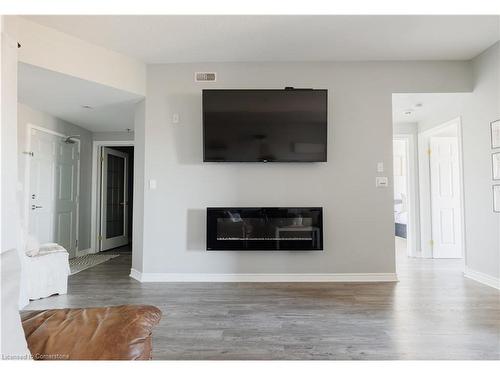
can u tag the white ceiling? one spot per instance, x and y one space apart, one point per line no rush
63 96
421 107
169 39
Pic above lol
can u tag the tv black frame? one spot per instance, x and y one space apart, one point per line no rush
265 161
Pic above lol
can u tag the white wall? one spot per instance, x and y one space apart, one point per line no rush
113 136
406 128
60 52
477 110
358 222
8 83
28 115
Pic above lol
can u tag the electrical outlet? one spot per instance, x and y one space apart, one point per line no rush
381 182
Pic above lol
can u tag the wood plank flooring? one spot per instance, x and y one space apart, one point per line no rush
433 312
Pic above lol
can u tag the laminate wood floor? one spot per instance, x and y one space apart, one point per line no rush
433 312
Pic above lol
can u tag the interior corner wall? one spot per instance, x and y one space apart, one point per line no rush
477 110
482 224
139 185
358 217
28 115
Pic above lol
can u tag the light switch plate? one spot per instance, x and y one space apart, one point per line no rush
152 184
381 182
380 166
175 118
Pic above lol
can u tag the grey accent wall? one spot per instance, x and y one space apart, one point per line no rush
32 116
358 222
477 110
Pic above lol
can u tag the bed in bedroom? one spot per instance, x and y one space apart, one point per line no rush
400 217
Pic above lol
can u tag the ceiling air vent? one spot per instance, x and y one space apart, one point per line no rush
205 77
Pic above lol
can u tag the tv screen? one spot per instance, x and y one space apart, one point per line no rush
265 125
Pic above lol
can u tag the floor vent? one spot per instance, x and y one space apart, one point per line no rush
205 77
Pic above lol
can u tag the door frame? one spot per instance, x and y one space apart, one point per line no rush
95 214
413 227
425 187
27 174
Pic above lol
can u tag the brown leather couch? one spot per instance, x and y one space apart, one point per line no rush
116 332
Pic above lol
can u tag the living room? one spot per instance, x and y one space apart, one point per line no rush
231 183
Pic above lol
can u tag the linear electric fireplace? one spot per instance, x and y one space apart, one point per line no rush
265 228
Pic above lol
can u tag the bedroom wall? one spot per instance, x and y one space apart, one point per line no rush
400 170
360 134
32 116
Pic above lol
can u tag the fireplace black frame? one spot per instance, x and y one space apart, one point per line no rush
262 215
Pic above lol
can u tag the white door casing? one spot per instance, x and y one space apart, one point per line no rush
53 189
445 197
114 199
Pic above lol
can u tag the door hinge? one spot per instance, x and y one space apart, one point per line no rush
30 153
99 237
76 243
431 243
102 159
429 151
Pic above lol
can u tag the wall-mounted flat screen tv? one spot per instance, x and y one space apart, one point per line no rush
287 125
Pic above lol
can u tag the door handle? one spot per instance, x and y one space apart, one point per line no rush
34 207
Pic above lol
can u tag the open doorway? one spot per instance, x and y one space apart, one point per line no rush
428 183
113 195
401 186
56 134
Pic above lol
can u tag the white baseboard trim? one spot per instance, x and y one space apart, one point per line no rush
134 274
262 277
482 278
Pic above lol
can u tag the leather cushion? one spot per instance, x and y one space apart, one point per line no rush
116 332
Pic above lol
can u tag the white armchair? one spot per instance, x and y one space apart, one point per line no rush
45 272
44 268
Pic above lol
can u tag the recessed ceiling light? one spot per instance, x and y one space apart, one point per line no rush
87 107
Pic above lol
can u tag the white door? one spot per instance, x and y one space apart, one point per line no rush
53 190
445 197
114 199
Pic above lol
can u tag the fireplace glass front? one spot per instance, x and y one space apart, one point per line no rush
265 228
